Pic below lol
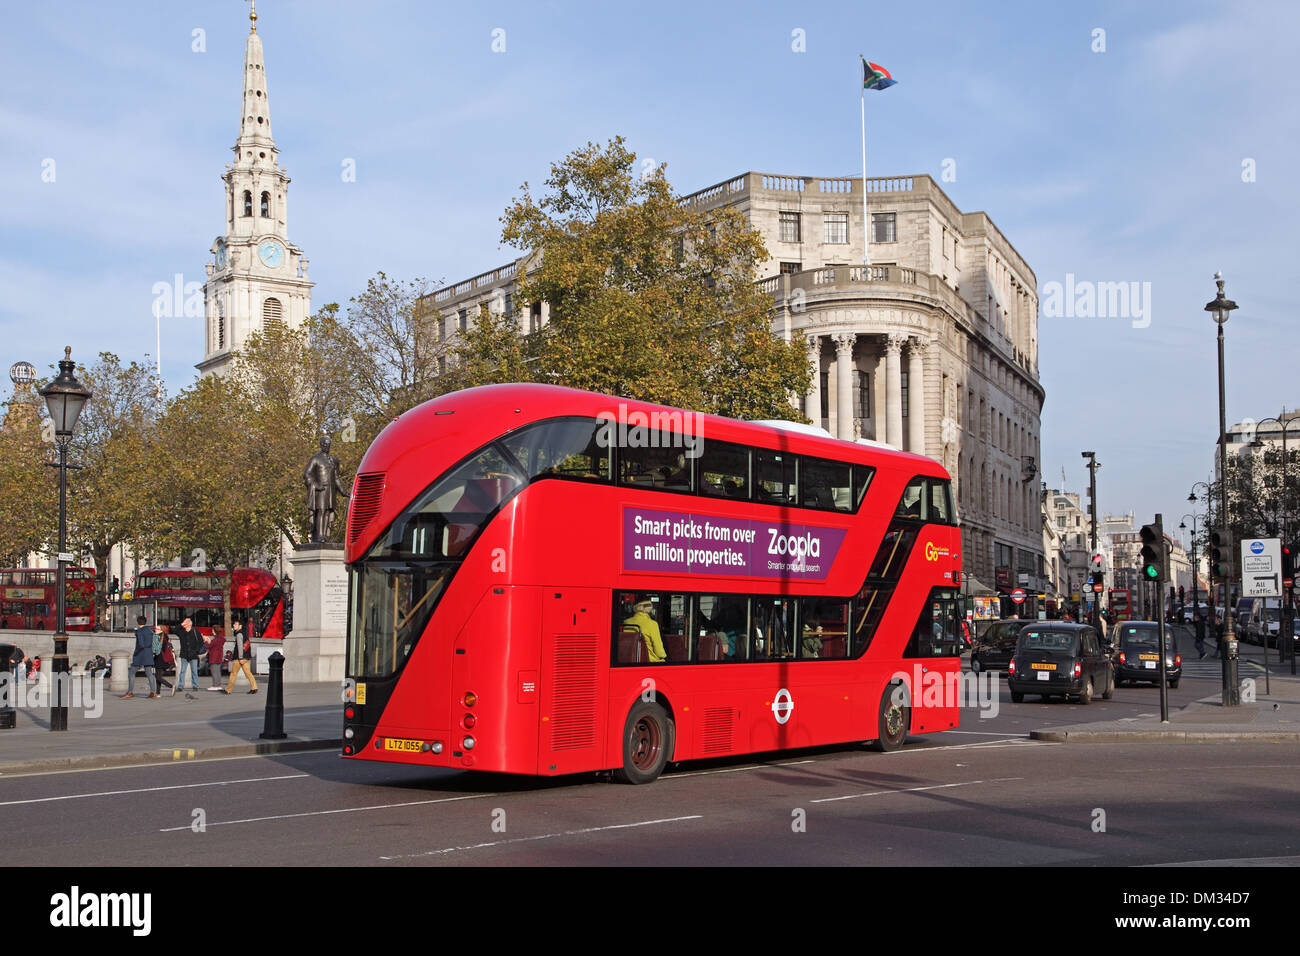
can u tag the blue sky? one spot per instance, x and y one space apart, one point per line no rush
1122 165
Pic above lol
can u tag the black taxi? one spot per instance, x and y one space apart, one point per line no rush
1059 658
1139 660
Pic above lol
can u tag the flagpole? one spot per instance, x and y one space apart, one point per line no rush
866 223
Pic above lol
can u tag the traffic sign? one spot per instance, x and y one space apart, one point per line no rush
1098 587
1018 595
1261 567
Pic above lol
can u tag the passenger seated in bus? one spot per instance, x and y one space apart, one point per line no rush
677 477
812 640
643 619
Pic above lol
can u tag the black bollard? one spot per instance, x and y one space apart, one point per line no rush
8 715
273 726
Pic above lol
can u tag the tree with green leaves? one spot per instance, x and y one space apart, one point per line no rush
29 495
301 384
214 494
649 298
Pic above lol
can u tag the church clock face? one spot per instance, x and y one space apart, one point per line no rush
271 252
221 254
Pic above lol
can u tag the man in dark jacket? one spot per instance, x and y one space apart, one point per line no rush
191 648
239 647
143 658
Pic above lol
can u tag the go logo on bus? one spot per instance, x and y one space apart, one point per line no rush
782 706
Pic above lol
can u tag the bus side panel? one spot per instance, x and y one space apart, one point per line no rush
574 680
496 658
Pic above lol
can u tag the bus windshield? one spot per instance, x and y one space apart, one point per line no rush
397 584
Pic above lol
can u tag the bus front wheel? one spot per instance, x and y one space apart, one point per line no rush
892 723
649 737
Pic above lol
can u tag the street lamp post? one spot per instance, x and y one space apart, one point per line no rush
64 397
1220 308
1092 507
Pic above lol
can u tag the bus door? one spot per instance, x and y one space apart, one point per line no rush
574 709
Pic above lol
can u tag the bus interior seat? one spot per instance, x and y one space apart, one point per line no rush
630 644
675 647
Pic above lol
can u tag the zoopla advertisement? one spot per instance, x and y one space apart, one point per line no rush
673 542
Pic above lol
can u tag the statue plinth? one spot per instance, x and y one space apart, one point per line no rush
314 650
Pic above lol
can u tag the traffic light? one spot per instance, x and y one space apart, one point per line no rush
1153 548
1288 561
1220 555
1182 594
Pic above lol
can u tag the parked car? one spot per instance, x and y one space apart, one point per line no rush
1058 658
1248 620
994 644
1189 611
1139 657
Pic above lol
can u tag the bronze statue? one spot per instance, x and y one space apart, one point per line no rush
322 479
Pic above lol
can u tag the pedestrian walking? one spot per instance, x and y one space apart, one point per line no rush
240 648
143 658
1200 635
163 657
216 654
191 647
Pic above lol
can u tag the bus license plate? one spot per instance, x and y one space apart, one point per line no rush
406 746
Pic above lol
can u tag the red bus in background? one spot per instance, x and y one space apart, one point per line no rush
255 598
548 581
29 598
1120 605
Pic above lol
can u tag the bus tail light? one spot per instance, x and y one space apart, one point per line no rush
470 721
349 733
468 743
470 698
349 712
347 751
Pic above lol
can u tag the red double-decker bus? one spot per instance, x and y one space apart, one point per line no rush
255 597
548 581
29 598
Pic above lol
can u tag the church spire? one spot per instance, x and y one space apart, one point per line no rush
255 123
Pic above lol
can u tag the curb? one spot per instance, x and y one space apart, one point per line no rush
1164 736
163 756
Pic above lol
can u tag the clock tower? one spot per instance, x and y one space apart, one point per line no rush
256 277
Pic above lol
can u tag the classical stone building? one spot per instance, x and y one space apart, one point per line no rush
256 276
932 347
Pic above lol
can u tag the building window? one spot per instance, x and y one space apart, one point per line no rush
903 390
266 205
462 319
535 317
862 406
943 244
442 365
790 268
272 313
837 227
248 203
882 227
825 395
790 227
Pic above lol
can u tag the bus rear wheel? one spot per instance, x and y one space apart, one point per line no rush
649 737
891 725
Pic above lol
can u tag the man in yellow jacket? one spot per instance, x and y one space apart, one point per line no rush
649 627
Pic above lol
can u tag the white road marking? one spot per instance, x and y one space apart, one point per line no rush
322 813
940 786
179 786
167 763
544 836
981 733
94 724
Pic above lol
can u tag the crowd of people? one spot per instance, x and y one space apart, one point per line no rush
158 656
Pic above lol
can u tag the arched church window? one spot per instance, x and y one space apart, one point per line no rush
272 313
248 203
266 205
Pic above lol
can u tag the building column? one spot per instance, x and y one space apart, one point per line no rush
844 383
813 400
916 396
894 390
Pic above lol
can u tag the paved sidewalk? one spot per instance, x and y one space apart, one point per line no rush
1273 718
142 731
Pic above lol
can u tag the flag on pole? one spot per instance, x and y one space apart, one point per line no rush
875 76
